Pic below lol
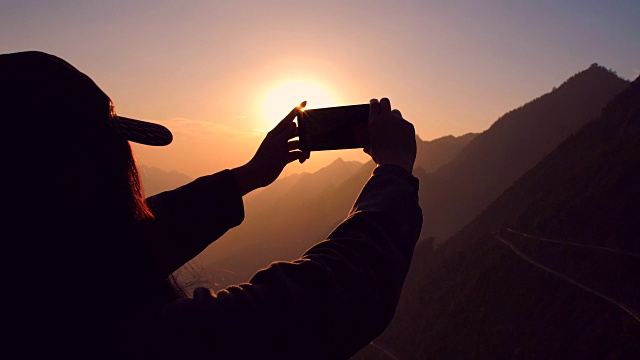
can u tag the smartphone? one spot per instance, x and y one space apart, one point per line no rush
333 128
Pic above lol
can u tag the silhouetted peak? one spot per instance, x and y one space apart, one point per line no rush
595 78
595 72
338 165
449 138
337 162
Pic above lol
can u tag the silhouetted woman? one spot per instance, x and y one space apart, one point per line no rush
89 259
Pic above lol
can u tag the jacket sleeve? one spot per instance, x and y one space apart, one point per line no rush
191 217
335 299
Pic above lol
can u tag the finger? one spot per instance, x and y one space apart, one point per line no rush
286 132
295 155
293 145
374 107
385 105
396 112
287 119
305 156
291 131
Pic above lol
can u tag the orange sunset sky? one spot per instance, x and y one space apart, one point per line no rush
219 74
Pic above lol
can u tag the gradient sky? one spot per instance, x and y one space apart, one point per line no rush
219 74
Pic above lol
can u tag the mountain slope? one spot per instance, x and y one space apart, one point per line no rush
459 190
491 293
433 154
294 213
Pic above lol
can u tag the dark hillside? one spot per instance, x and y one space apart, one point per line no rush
549 270
493 160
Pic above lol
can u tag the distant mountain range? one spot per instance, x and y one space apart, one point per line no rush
156 180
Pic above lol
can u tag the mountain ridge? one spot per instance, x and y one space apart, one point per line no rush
460 189
475 297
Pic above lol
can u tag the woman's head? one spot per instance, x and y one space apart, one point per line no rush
73 197
67 142
71 172
72 186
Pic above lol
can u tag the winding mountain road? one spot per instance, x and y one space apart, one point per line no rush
593 247
634 313
385 351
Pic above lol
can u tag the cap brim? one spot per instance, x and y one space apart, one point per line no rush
143 132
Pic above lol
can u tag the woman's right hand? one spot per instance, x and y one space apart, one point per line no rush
392 138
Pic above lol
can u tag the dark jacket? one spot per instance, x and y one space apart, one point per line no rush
328 304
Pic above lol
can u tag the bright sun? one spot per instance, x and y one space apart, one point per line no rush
281 98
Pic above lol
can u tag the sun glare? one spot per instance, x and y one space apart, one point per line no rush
281 98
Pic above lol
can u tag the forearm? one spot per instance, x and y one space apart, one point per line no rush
327 305
191 217
247 179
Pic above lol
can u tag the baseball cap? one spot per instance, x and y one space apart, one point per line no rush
57 72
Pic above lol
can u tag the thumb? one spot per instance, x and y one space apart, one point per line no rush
289 118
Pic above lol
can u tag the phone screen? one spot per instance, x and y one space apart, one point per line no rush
334 128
